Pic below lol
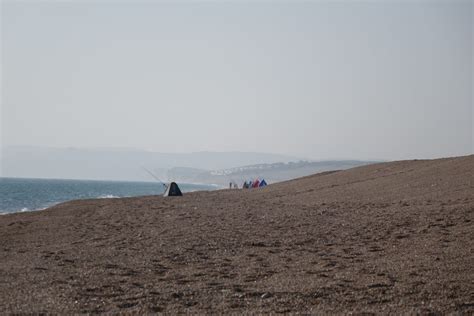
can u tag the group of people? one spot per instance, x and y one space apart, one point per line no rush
254 184
248 184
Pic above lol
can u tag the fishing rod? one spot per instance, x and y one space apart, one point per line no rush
155 177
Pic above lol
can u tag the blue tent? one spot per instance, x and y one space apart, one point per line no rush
262 183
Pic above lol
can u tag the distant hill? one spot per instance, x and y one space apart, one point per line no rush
126 164
118 163
274 172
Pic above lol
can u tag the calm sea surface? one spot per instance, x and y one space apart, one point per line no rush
20 195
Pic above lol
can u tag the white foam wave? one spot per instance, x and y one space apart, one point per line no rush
26 209
108 196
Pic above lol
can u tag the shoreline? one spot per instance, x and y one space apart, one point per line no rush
19 195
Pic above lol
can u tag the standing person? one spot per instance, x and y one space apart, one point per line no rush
256 184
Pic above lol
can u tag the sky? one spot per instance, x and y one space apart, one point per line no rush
348 80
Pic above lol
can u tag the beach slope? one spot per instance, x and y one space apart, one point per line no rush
390 237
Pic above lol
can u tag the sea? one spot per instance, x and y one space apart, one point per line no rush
22 195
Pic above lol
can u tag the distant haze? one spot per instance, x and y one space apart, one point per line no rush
347 80
138 165
118 164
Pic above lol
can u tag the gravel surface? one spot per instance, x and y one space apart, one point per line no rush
394 237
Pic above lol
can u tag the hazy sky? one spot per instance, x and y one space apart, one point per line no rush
367 80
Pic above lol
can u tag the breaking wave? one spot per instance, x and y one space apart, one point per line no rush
108 196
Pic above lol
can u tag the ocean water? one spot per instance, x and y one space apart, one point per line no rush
20 195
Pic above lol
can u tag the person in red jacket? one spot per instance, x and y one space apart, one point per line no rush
255 184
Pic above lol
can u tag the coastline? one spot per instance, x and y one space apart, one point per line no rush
26 194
